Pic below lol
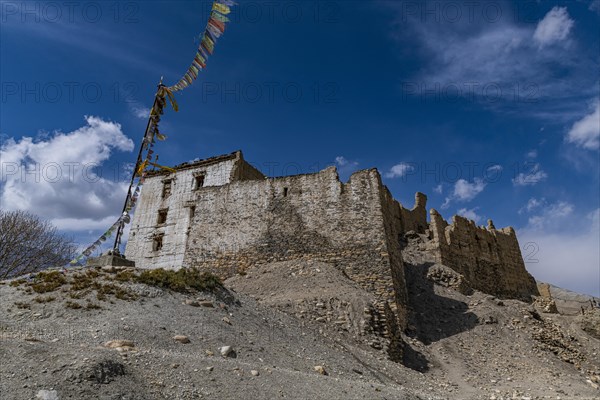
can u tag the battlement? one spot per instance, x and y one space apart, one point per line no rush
415 219
489 258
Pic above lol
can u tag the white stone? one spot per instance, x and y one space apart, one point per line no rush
47 395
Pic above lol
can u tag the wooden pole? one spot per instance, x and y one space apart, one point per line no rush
119 234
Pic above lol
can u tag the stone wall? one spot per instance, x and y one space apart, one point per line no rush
490 259
415 219
238 219
315 216
178 206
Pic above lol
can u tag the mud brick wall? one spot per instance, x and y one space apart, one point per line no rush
311 216
415 219
490 259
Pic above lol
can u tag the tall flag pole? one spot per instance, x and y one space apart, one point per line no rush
215 28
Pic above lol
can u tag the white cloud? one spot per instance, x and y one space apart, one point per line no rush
465 191
439 189
341 161
345 167
84 224
568 258
59 178
399 170
495 168
532 154
550 215
554 28
531 205
586 132
530 178
501 65
470 214
140 111
595 6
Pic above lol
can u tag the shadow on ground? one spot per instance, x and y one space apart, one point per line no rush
434 317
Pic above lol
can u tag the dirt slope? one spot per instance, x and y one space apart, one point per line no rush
282 320
48 346
468 346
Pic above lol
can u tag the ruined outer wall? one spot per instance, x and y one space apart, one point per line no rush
416 218
393 228
311 216
490 259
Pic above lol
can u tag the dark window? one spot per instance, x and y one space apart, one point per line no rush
198 181
157 242
166 189
162 216
192 212
285 192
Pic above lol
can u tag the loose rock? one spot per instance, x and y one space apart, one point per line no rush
181 338
320 369
47 395
227 351
113 344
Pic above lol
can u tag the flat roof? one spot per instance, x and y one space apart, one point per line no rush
198 163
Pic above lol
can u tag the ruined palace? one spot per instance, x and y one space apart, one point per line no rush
222 214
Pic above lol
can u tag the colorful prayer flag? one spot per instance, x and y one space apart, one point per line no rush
208 44
219 17
222 8
214 29
217 24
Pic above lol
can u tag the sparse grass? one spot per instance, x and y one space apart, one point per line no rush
84 280
180 281
117 291
77 295
42 299
23 306
17 282
83 283
92 306
73 305
125 276
45 282
79 285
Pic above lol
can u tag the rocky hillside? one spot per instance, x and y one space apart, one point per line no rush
283 330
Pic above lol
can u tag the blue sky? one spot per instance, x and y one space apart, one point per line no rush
488 107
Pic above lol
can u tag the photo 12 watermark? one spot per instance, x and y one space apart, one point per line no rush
69 12
467 11
271 92
481 92
70 92
65 171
